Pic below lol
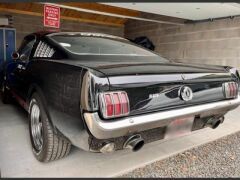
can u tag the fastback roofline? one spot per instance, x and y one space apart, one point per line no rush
86 34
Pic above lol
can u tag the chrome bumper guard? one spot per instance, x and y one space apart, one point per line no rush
115 128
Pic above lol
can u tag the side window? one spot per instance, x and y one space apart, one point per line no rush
44 50
26 46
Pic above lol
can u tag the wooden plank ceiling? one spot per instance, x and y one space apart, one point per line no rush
36 9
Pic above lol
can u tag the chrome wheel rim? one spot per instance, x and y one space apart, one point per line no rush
36 127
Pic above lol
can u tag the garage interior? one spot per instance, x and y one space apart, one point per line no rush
195 33
204 33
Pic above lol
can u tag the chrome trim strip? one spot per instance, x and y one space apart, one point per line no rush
120 127
87 34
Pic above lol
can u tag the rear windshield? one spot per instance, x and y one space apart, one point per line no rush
84 45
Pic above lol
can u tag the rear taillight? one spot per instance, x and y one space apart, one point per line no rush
114 104
230 90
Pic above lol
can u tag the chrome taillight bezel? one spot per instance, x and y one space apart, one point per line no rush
230 90
103 104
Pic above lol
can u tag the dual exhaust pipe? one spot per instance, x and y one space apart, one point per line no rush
136 142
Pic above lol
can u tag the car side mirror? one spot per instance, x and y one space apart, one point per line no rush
15 55
23 57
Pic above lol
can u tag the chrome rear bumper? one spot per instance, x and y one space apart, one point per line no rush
120 127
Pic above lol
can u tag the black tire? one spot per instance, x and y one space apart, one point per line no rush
5 94
54 144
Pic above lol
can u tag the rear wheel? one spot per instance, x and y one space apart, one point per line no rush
5 93
47 145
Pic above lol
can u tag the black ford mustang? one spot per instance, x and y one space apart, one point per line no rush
102 93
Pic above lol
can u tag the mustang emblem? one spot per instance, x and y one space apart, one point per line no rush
186 93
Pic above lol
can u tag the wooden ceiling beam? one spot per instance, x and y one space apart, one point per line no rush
35 9
119 16
103 8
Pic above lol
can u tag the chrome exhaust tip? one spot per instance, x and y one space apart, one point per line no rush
108 147
135 143
214 122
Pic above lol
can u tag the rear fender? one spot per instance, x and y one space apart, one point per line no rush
92 84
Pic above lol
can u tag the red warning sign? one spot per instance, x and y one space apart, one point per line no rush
51 16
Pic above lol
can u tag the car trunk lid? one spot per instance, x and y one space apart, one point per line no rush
155 85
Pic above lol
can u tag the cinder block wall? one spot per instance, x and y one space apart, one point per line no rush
26 24
216 42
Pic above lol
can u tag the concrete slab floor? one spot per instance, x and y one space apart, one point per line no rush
17 160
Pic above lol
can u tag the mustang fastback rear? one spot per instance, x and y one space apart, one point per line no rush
102 93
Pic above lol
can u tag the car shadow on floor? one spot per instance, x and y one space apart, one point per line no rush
15 113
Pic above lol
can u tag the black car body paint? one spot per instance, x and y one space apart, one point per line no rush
69 84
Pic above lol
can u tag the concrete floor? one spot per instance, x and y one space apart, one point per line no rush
17 160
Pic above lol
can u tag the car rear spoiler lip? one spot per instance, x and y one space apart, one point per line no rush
104 129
